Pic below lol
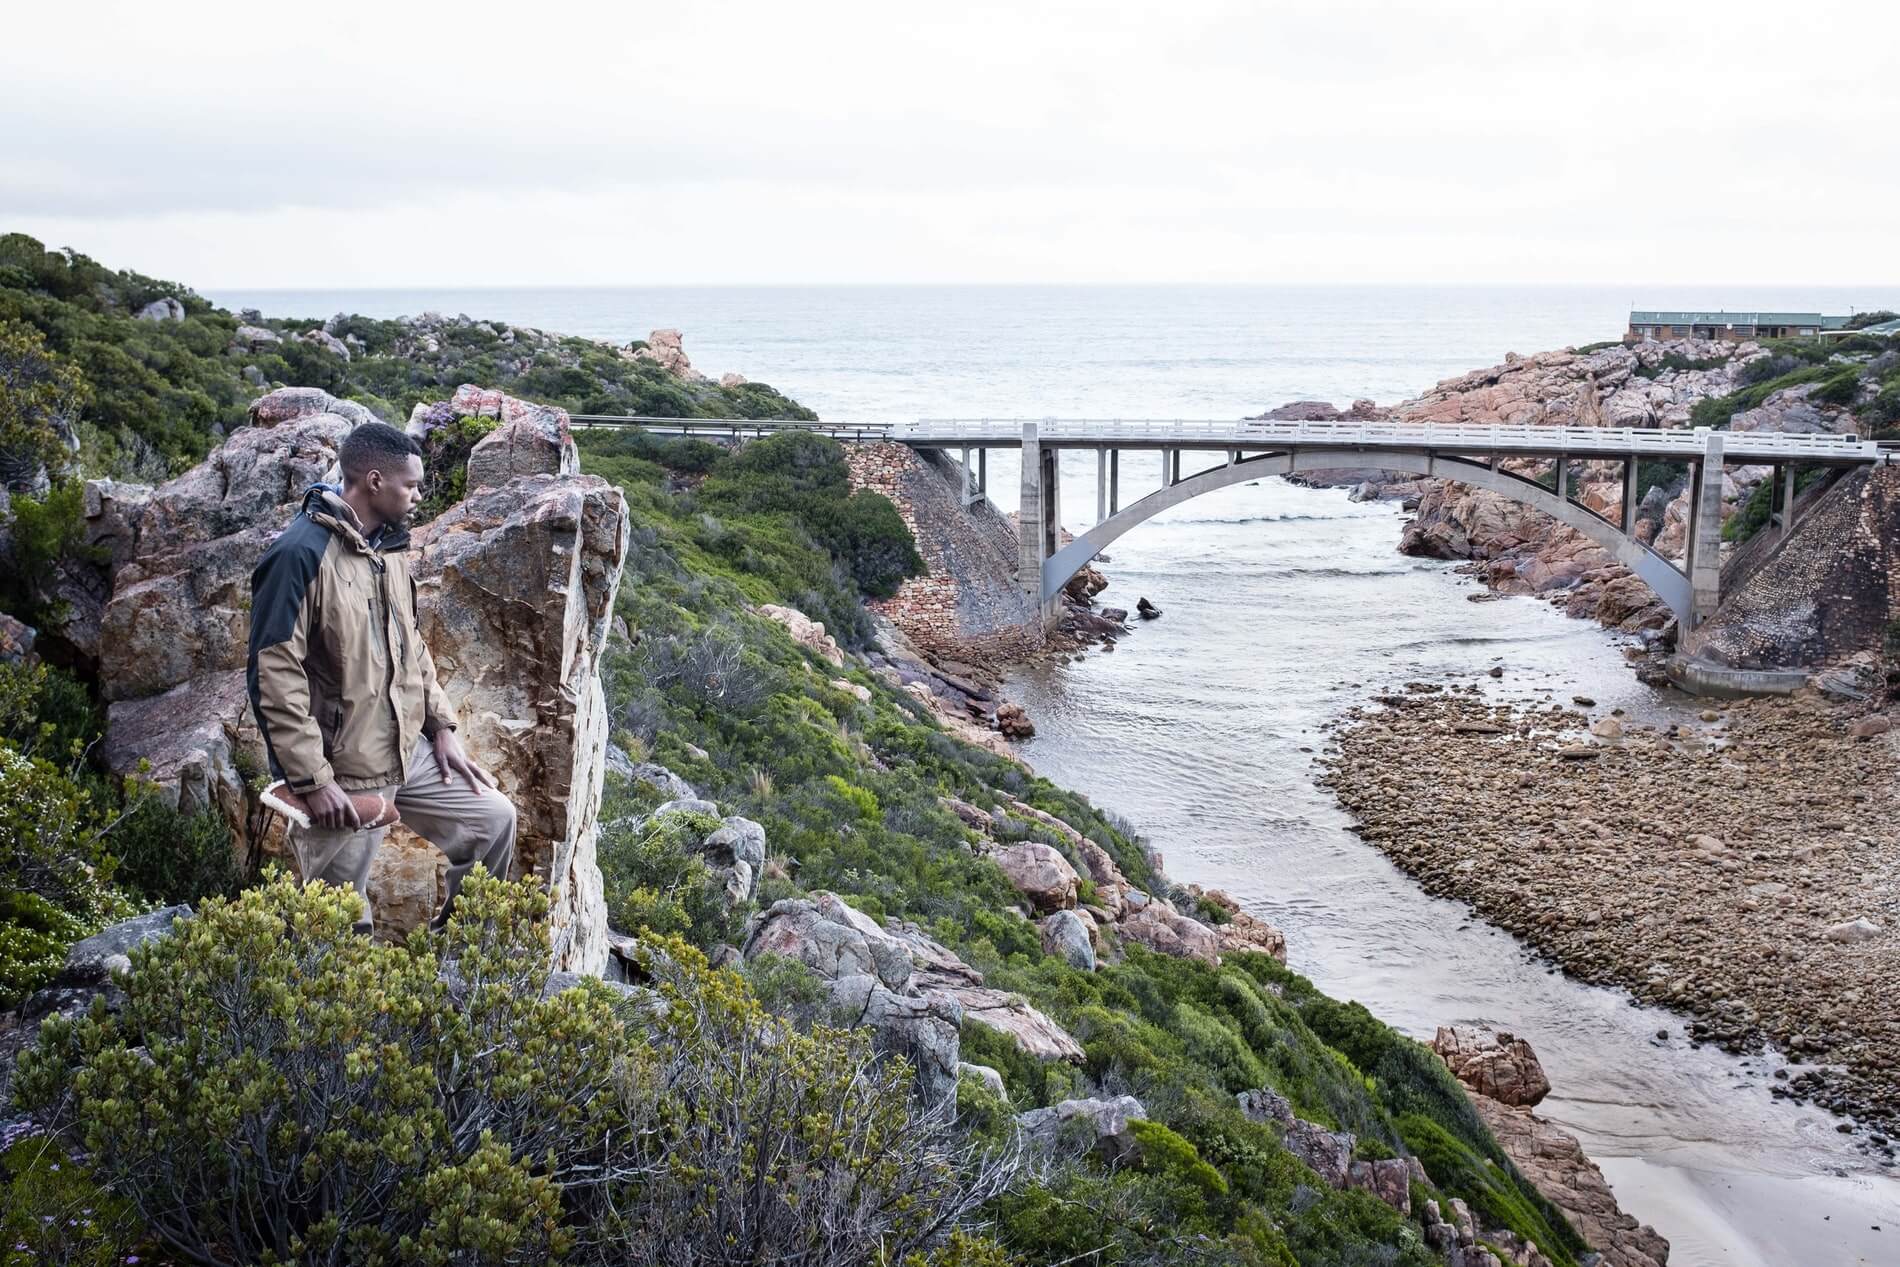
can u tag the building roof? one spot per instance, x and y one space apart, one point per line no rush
1734 319
1885 329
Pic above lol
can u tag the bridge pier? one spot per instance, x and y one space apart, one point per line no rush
1631 468
1101 483
1038 518
1705 532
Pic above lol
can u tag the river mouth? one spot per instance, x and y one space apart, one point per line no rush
1284 606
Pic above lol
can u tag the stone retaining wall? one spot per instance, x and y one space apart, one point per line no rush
1828 594
968 604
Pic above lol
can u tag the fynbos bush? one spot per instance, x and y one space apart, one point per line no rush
279 1089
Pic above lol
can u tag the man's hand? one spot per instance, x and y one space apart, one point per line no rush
451 759
332 810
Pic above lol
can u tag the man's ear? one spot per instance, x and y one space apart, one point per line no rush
373 479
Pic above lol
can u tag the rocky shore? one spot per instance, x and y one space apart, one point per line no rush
1738 867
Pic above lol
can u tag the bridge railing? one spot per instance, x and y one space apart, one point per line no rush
744 428
1259 433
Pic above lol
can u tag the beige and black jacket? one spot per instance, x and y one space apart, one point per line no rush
340 679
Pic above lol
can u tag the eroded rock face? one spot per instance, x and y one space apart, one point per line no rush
1168 931
921 1028
831 937
531 440
664 348
1498 1065
180 604
928 984
1553 1160
1070 936
516 587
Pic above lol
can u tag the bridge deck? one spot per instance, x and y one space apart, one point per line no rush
1673 444
1257 435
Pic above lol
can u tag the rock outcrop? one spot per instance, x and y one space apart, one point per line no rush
666 349
1552 1159
1100 1126
1329 1154
909 987
1498 1065
517 583
516 587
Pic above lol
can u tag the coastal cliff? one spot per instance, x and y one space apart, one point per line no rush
667 657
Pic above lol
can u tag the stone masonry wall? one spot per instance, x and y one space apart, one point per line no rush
967 605
1828 594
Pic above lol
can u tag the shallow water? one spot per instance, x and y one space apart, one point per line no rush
1283 607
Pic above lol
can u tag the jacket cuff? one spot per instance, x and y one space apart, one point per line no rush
317 778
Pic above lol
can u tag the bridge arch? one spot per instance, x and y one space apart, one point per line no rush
1663 577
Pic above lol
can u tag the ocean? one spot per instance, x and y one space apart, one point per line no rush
898 353
1284 606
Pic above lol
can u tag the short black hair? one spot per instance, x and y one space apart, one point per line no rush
374 446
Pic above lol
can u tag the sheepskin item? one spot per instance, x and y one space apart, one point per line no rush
372 809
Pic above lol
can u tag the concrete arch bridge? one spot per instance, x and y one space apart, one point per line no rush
1473 455
1250 449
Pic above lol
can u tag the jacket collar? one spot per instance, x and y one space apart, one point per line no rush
324 503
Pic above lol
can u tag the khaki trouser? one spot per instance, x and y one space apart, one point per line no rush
469 826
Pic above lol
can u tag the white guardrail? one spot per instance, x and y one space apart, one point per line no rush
1454 437
1261 434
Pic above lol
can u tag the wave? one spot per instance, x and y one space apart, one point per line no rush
1255 519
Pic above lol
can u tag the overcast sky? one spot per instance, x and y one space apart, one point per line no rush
733 141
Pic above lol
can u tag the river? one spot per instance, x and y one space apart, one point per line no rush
1283 606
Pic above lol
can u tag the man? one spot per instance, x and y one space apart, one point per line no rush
344 688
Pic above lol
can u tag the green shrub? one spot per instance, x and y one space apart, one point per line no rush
804 477
344 1093
362 1104
1839 389
51 1213
48 532
55 878
172 857
41 396
1754 514
445 453
657 883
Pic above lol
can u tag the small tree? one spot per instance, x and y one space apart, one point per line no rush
40 398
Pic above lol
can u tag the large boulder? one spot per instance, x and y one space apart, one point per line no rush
666 349
1070 936
1102 1124
831 937
516 587
1159 928
1011 1015
180 604
531 440
1040 874
920 1028
166 309
1498 1065
806 632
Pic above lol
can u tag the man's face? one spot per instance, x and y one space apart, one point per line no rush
395 491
